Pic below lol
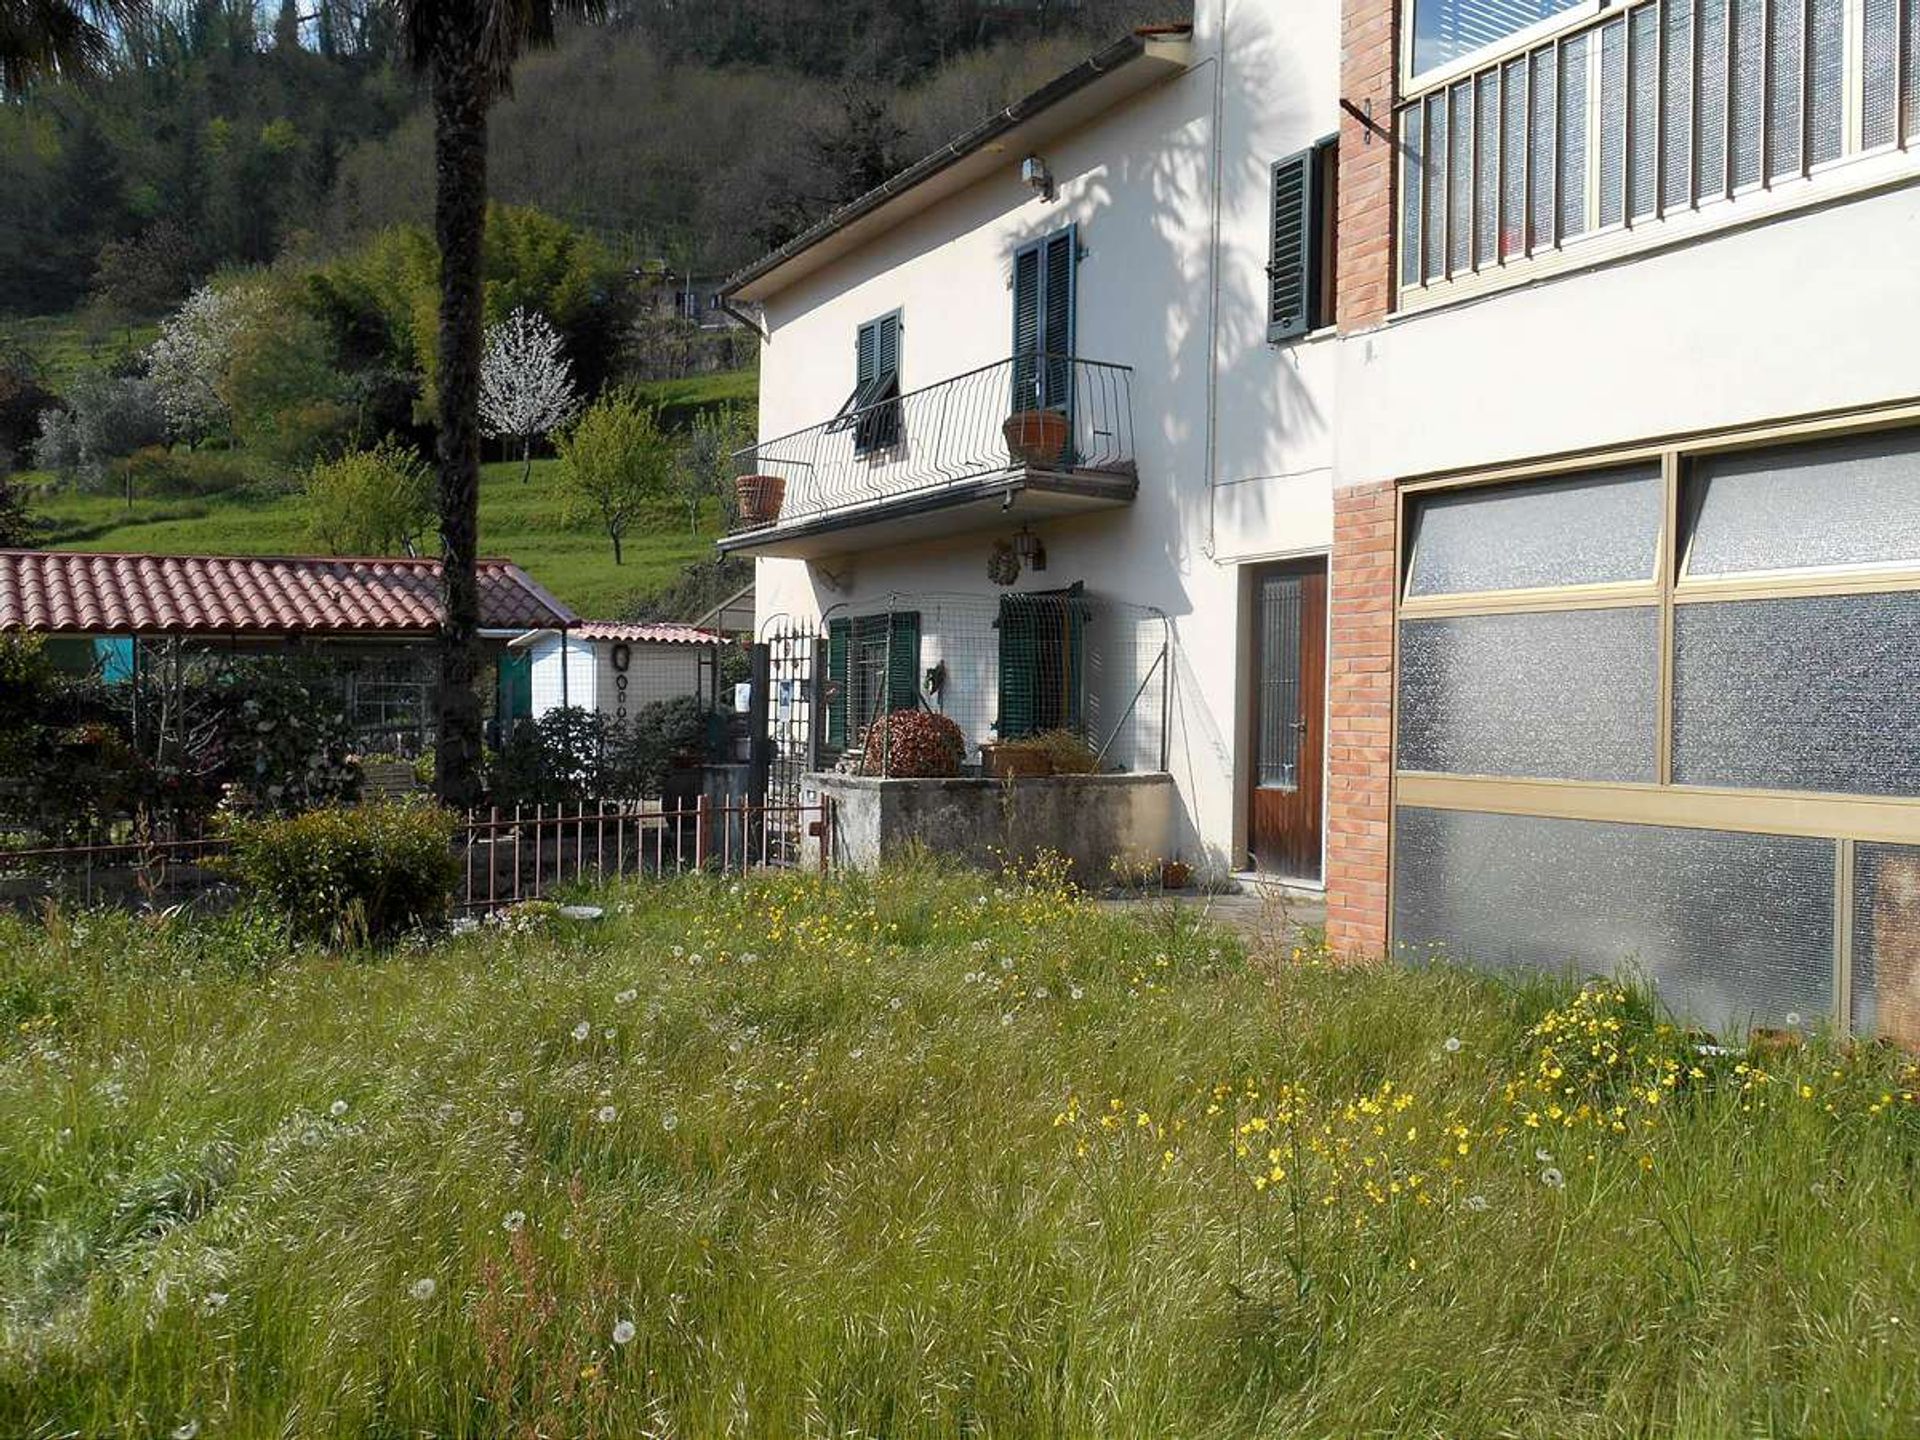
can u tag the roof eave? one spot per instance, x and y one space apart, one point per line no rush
1116 73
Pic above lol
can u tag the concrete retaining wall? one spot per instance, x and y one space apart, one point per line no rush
1090 819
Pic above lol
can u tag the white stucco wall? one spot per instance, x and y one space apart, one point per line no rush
1233 437
1808 312
580 673
563 673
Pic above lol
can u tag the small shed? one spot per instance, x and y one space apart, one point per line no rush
618 668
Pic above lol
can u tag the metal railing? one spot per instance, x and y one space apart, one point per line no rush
1642 113
948 434
506 855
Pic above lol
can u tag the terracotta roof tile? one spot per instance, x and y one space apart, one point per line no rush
72 593
647 633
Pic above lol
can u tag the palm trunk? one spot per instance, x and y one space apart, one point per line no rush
460 215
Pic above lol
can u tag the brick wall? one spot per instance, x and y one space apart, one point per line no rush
1369 51
1360 716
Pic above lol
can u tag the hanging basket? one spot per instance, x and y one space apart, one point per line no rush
760 498
1036 438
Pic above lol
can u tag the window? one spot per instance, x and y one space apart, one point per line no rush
1043 286
872 411
1300 253
1641 112
1665 715
873 668
1448 30
1042 662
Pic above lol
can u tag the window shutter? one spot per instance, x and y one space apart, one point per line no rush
866 359
886 345
839 644
1292 269
1026 326
1056 338
903 661
1019 667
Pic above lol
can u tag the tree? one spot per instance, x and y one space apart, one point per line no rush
467 49
188 363
526 384
107 417
617 463
59 39
370 502
704 466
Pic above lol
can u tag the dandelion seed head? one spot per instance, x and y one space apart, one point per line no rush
582 1030
1475 1202
605 1114
894 1003
1006 962
1040 992
626 997
1552 1178
214 1302
623 1332
516 1118
1543 1155
337 1109
1451 1045
670 1122
423 1288
515 1220
1007 1019
186 1430
1077 993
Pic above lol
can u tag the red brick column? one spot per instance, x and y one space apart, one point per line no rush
1369 71
1360 716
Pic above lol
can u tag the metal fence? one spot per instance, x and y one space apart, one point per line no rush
505 855
1003 667
911 443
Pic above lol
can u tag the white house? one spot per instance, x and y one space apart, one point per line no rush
616 668
1102 250
1529 479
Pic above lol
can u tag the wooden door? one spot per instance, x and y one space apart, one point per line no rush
1289 719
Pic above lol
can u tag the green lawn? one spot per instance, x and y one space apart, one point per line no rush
929 1155
66 344
524 522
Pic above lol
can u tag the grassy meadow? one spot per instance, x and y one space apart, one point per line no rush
527 522
921 1155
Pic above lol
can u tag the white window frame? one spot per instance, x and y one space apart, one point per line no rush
1413 86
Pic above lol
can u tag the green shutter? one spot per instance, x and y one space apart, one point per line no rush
1026 327
1019 667
866 357
903 661
1294 257
1056 340
839 644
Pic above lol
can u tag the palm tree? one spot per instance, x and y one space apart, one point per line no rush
59 39
467 49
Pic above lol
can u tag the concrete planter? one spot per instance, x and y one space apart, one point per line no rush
1089 819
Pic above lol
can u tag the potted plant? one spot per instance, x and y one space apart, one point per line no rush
760 498
1012 760
1037 437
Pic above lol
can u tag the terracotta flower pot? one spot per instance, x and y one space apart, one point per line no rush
760 498
1175 875
1036 437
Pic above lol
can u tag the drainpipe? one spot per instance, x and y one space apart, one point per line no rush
1219 62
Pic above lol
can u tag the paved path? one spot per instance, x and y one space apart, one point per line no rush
1261 912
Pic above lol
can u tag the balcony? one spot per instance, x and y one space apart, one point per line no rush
1642 124
963 454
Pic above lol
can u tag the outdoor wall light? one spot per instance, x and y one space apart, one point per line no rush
1037 177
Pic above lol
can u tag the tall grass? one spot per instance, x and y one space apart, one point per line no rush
922 1155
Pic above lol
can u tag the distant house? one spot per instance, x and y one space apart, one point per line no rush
670 295
366 625
617 669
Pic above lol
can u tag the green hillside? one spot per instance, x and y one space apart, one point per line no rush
524 522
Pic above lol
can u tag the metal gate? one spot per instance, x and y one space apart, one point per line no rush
787 702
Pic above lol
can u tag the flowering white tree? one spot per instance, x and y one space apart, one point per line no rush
189 361
526 384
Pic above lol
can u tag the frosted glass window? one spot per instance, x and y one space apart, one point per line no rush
1573 138
1733 930
1784 120
1412 185
1643 99
1460 179
1613 120
1748 36
1676 104
1813 693
1881 73
1886 942
1434 247
1578 531
1486 174
1711 126
1513 169
1564 694
1853 501
1826 81
1540 142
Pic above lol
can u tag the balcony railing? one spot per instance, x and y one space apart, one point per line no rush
949 435
1642 113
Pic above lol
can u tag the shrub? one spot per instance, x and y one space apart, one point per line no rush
350 876
913 745
153 471
370 502
1065 751
642 751
559 757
